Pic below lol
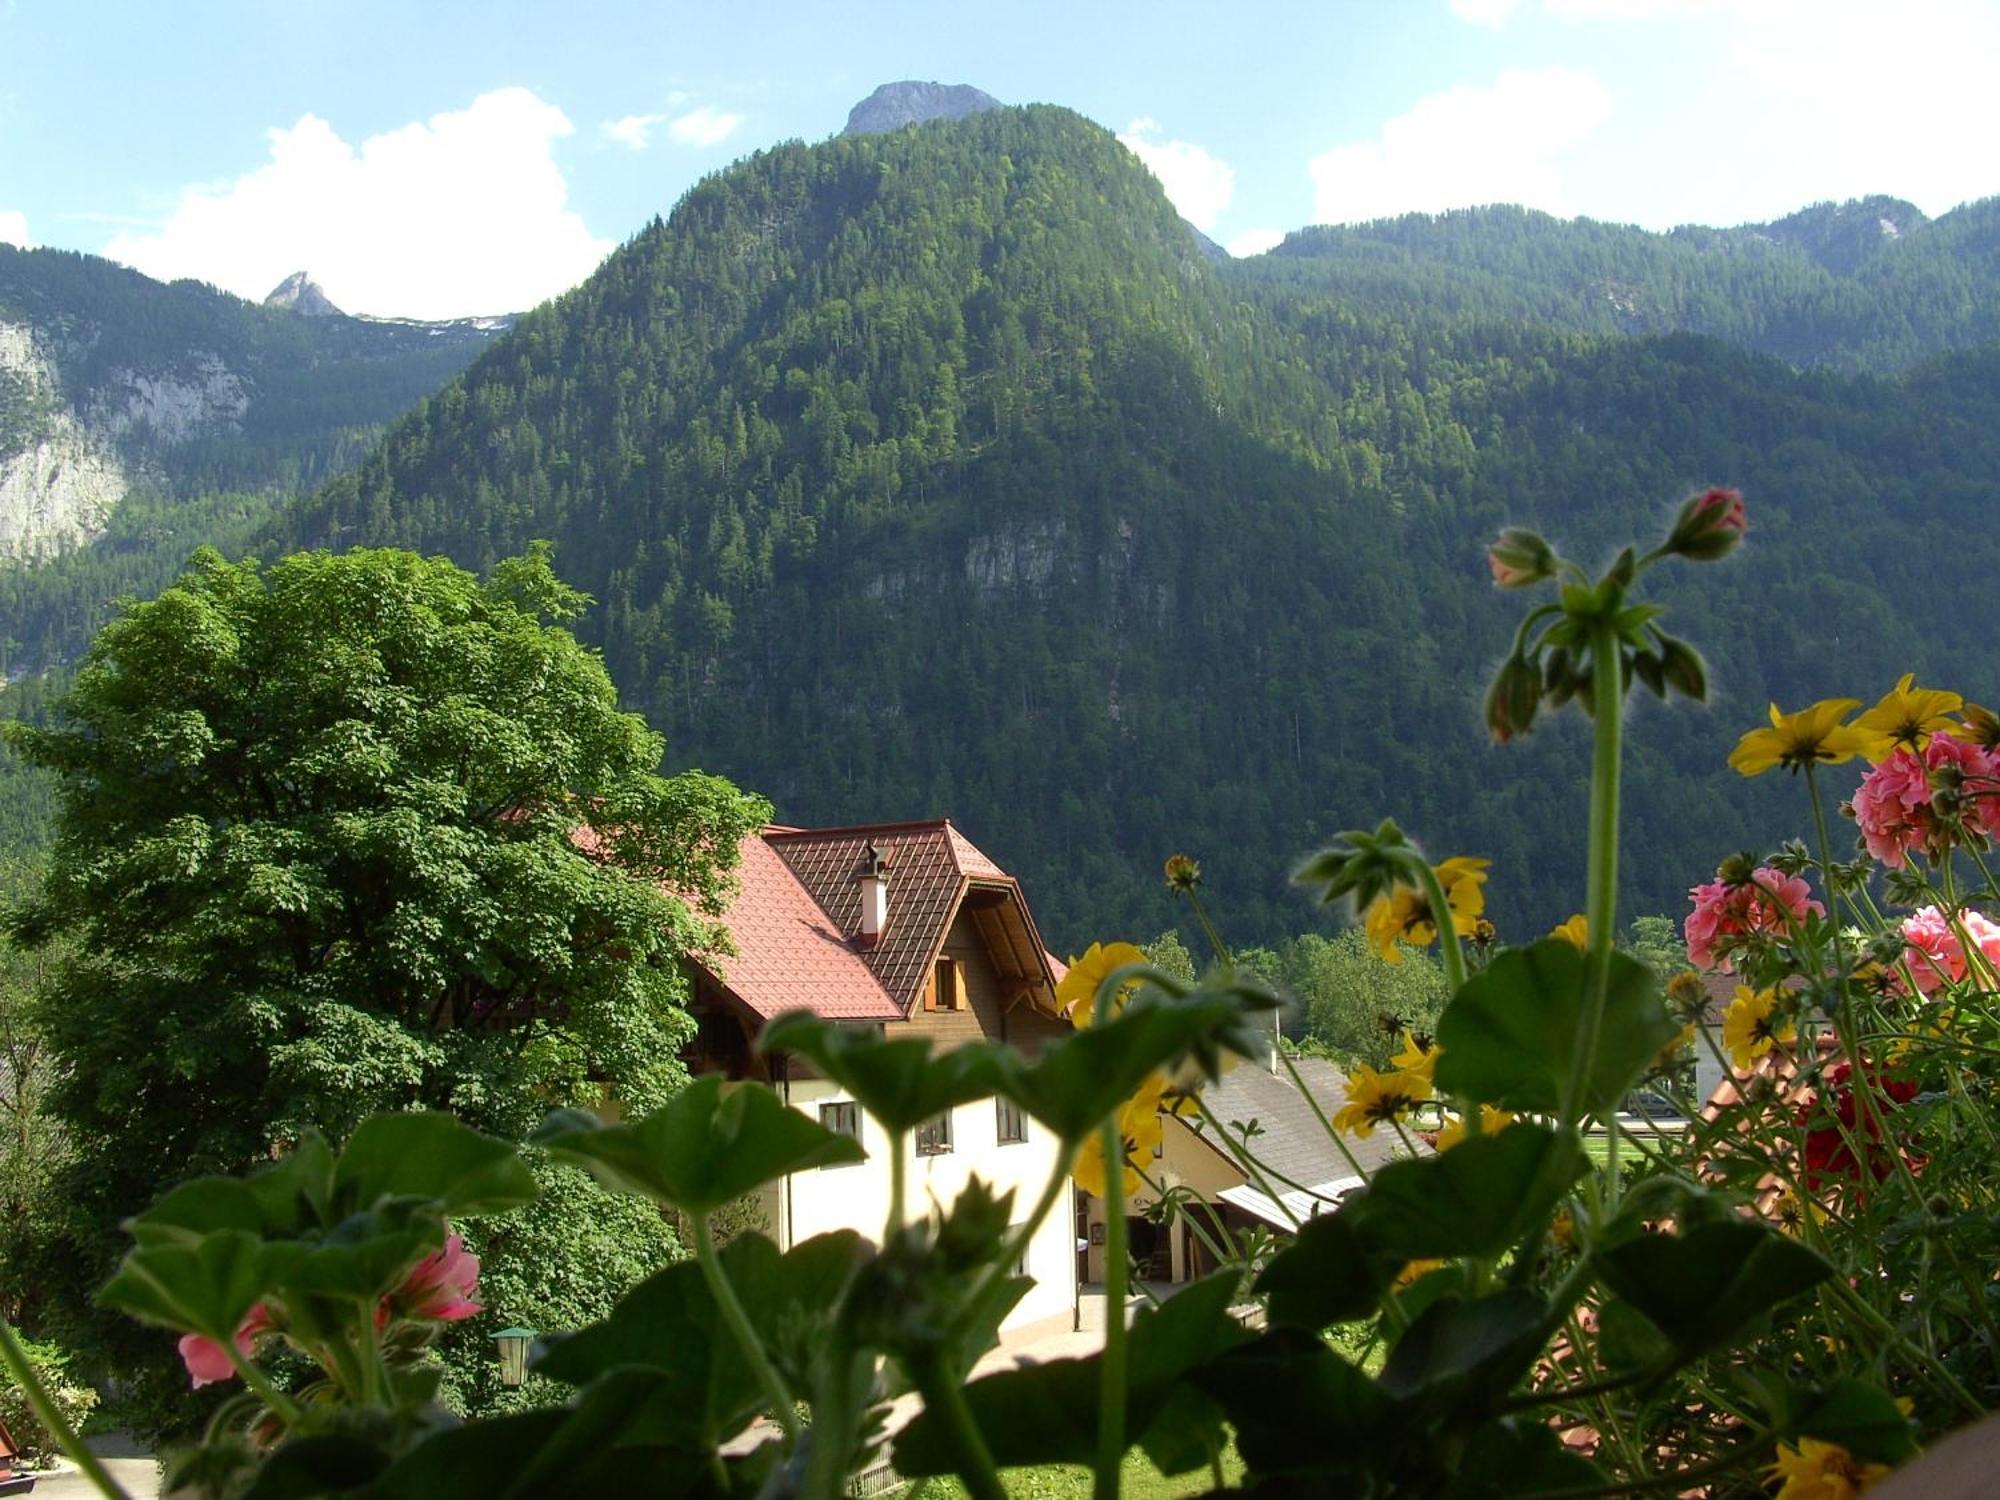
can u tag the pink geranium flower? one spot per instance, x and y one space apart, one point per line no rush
1729 917
1892 807
1934 951
208 1362
439 1286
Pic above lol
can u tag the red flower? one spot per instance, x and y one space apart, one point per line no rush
1709 526
1830 1148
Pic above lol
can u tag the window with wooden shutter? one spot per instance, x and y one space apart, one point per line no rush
947 988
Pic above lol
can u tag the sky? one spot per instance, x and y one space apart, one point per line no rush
445 159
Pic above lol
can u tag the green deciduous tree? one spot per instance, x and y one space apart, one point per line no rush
356 833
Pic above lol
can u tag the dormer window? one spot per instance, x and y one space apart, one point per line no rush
946 990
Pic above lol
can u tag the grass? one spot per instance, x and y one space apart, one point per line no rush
1138 1480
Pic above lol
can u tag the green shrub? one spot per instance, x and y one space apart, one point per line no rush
75 1401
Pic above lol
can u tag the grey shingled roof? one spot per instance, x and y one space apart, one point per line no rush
1290 1139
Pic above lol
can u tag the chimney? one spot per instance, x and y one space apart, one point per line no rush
874 883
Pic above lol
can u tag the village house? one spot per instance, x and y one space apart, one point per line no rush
909 928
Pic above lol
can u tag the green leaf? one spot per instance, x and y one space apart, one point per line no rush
705 1147
204 1287
1299 1408
1332 1273
1461 1350
1627 1339
1863 1418
422 1154
1510 1033
1703 1287
276 1201
482 1461
1479 1198
901 1083
310 1467
1512 1457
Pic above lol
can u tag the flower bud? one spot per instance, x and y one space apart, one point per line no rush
1512 700
1519 559
1183 873
1685 671
1708 527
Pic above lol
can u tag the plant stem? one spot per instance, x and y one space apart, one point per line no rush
15 1358
746 1333
946 1397
1607 687
1111 1383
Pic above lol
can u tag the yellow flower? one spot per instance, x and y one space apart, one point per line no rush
1798 739
1670 1053
1789 1211
1491 1122
1077 992
1141 1128
1908 716
1576 930
1419 1056
1822 1471
1373 1098
1416 1270
1748 1029
1981 726
1404 914
1563 1230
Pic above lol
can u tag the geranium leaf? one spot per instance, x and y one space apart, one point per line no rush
705 1147
1479 1198
1467 1349
901 1083
1331 1273
201 1287
1703 1287
1510 1457
423 1154
1863 1418
1509 1035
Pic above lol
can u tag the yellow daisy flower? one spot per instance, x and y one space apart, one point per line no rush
1419 1056
1822 1471
1491 1122
1748 1028
1404 915
1415 1271
1796 740
1374 1098
1576 930
1076 994
1789 1211
1141 1128
1909 716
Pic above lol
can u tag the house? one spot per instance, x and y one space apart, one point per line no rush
907 928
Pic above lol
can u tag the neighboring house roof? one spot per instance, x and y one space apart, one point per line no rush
1290 1140
796 916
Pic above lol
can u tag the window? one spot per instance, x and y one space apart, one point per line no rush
841 1119
946 990
1012 1124
934 1135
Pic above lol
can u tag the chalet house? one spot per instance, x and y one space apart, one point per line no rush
908 928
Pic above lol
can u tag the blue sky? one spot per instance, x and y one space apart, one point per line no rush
440 158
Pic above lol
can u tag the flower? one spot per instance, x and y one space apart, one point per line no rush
1708 527
1934 951
1419 1056
1491 1122
208 1362
1416 1270
1183 873
1404 915
1797 740
1831 1134
1731 916
439 1287
1576 930
1920 803
1373 1098
1910 715
1520 558
1822 1471
1076 993
1790 1211
1141 1128
1749 1029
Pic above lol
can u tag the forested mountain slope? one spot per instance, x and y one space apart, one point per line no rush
1867 285
138 419
939 472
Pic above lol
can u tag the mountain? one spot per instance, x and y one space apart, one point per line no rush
894 105
939 471
302 295
1870 285
138 419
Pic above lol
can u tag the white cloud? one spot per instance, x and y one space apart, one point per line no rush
1484 12
1628 10
1254 241
463 213
1499 144
632 130
703 126
1198 184
14 229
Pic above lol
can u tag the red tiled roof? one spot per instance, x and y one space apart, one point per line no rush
930 866
789 954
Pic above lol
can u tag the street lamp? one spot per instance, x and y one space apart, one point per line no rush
514 1344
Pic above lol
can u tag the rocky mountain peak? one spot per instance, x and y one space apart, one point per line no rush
302 295
894 105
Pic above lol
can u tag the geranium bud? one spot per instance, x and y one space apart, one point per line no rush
1520 559
1708 527
1513 699
1685 671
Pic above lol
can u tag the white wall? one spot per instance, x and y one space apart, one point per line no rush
857 1197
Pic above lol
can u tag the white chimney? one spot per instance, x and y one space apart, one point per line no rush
874 883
